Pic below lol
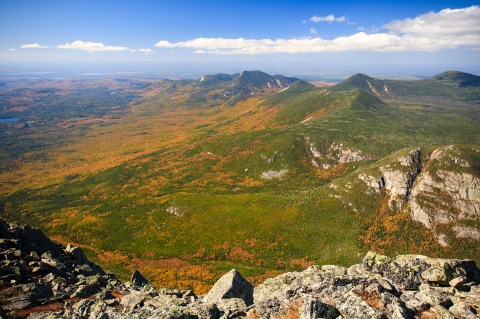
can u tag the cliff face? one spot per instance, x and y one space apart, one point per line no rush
438 187
41 279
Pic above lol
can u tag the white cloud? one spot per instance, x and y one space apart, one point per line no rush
213 43
428 32
313 31
448 27
146 50
33 46
90 46
329 18
11 50
164 44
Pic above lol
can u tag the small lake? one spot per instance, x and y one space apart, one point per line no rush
9 119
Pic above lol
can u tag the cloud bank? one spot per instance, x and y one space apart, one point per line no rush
33 46
433 31
91 46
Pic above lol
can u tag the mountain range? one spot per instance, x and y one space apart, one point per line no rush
184 179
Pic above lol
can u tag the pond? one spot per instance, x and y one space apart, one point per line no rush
9 119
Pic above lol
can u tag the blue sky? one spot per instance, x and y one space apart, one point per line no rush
255 32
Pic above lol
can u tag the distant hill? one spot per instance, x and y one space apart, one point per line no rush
215 79
463 79
452 85
252 81
302 102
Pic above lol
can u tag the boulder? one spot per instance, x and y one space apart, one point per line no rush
232 307
402 278
352 306
435 295
231 285
313 308
442 271
138 280
204 311
275 287
77 253
33 239
457 282
133 300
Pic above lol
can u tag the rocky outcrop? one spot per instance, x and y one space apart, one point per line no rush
438 188
452 189
65 284
408 286
332 155
398 177
36 272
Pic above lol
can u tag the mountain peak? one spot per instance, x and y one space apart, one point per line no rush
364 82
214 79
463 79
360 76
249 82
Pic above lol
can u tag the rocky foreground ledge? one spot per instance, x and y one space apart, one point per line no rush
41 279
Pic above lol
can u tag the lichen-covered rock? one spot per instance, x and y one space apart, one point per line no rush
435 295
232 307
352 306
274 287
442 271
401 277
313 308
405 287
133 300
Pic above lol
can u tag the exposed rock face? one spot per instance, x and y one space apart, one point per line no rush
441 187
273 174
458 185
399 177
65 285
332 155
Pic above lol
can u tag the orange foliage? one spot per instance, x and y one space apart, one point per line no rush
237 253
390 229
302 262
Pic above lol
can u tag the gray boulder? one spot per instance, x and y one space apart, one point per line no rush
314 308
33 239
138 280
231 285
352 306
442 271
402 278
77 253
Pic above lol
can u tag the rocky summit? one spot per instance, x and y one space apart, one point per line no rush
41 279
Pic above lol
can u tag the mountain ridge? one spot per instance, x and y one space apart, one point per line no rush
448 84
255 176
